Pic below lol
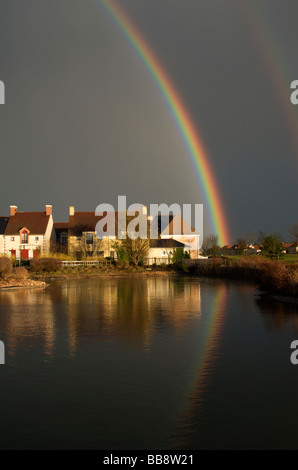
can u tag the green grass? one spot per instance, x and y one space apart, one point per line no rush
291 258
284 258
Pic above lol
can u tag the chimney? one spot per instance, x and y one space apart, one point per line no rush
71 210
49 210
13 210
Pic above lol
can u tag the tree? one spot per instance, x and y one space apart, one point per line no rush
88 245
272 246
132 249
261 237
210 245
294 232
204 247
241 245
121 252
179 254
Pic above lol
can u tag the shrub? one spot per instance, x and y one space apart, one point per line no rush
273 275
45 264
179 254
20 273
5 266
61 256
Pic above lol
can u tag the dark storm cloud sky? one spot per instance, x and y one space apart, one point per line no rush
84 122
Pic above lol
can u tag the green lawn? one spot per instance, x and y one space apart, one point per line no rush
291 258
284 258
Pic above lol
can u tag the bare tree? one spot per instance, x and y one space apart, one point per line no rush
294 232
241 245
88 246
210 245
251 238
204 247
261 237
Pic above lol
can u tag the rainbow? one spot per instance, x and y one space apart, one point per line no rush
193 141
274 62
201 377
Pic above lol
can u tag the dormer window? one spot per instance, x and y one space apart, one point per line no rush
24 237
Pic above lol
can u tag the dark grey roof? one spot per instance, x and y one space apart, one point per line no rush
166 243
3 223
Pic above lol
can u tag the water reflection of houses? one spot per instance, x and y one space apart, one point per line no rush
133 309
29 321
129 308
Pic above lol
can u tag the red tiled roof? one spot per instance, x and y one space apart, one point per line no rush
36 222
81 221
86 222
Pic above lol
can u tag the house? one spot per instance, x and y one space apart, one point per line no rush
61 232
162 250
255 249
228 250
29 234
178 229
3 224
293 248
82 239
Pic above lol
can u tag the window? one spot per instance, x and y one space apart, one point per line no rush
63 238
24 237
12 239
89 238
78 238
36 239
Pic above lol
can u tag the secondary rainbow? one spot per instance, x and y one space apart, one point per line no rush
185 125
273 59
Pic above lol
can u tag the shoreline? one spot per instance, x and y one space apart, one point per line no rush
278 297
107 274
14 284
39 280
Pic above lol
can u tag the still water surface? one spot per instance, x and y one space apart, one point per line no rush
147 364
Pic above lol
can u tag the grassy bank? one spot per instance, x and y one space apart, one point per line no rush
276 277
12 283
104 271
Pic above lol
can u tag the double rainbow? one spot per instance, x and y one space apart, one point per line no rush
193 141
273 58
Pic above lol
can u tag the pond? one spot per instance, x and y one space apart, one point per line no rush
157 363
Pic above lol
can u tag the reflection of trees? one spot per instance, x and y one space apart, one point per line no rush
278 314
131 308
96 309
30 319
